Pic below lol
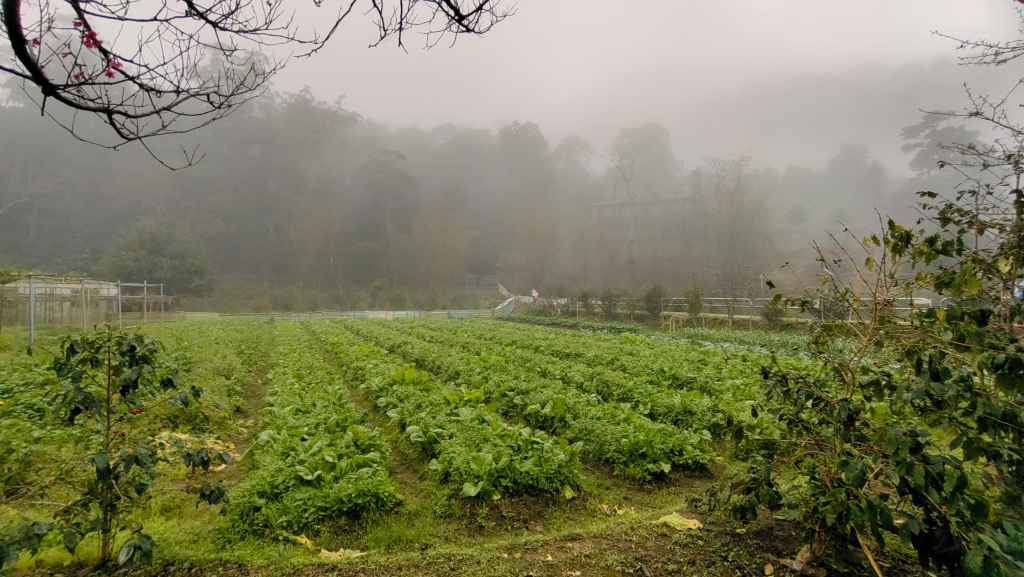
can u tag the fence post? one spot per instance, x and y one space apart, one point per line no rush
161 302
120 325
145 300
31 313
85 319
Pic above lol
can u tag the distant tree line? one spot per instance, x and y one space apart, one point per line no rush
304 204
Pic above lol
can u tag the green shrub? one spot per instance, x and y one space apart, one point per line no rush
102 380
652 300
695 301
774 311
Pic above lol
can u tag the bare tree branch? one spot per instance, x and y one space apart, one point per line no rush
10 205
152 68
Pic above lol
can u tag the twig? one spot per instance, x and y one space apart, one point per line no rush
867 553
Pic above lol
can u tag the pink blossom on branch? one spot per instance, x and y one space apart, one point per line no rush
91 39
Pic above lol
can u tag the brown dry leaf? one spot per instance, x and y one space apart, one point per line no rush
680 523
303 540
805 556
803 563
166 441
769 569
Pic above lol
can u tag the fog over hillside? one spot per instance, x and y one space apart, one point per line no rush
576 146
782 82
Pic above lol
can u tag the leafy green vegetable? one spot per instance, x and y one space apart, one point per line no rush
472 448
317 459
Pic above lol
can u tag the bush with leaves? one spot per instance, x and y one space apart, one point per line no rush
106 379
915 430
652 300
774 312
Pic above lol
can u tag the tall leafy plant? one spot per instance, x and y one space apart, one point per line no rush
106 379
919 423
914 429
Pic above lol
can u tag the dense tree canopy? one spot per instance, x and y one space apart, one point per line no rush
150 251
335 204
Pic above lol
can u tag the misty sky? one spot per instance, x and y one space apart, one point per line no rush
784 81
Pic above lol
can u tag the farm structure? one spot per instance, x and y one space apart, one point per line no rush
37 301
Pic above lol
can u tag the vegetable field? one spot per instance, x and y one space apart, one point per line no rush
413 447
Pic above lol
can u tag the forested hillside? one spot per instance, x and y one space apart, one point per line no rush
298 203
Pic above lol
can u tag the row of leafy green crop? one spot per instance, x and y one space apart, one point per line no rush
611 327
226 357
316 459
659 363
689 409
613 433
472 449
673 364
777 341
34 446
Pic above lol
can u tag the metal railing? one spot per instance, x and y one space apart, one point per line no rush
368 314
39 301
729 308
